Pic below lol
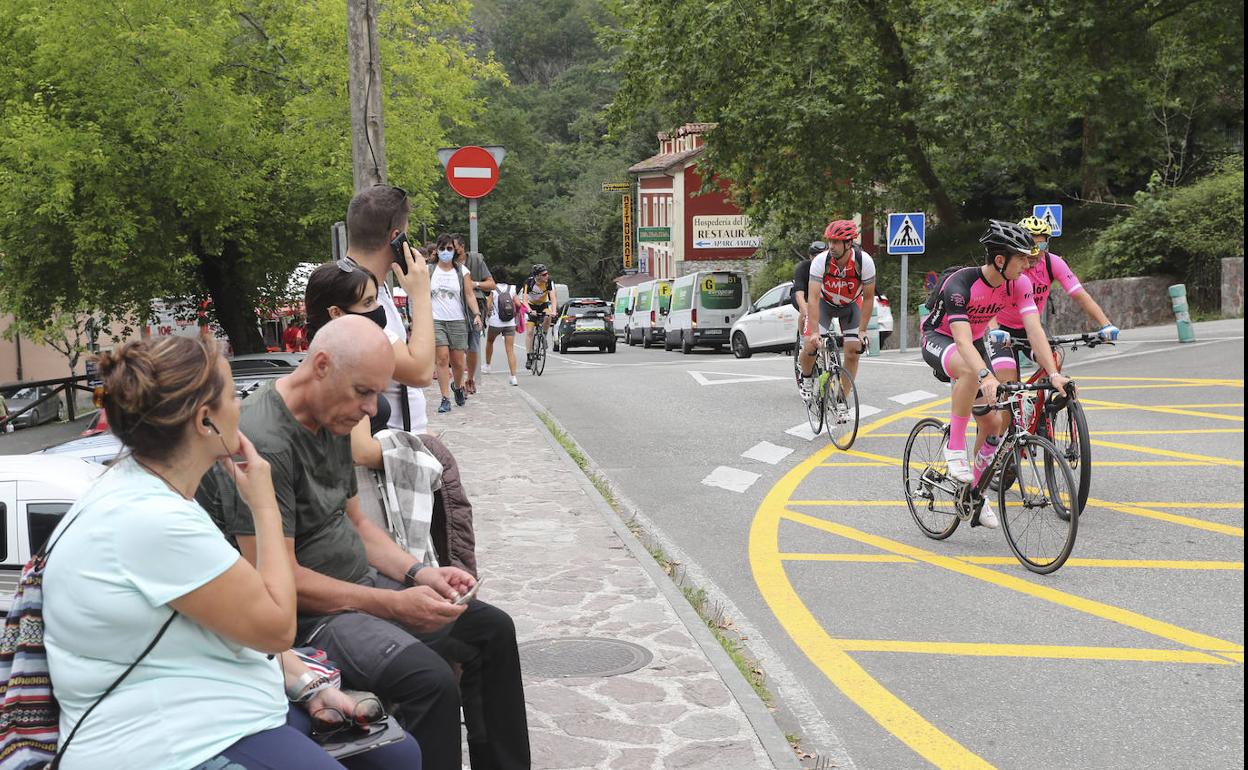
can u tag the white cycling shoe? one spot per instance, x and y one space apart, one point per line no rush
958 467
988 517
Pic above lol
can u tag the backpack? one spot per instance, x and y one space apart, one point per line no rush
505 306
940 284
29 714
857 252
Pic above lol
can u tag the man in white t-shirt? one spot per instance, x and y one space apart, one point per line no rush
843 279
376 216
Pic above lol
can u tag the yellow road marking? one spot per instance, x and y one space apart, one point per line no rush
844 464
1166 453
1101 610
1096 463
878 558
1238 657
1173 518
1082 388
860 503
1181 410
1211 506
1188 432
892 713
1230 383
1054 651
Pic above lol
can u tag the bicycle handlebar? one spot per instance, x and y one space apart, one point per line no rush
1087 339
1010 388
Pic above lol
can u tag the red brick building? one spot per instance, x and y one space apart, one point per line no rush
680 231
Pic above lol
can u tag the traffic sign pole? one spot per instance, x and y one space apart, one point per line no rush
907 234
905 299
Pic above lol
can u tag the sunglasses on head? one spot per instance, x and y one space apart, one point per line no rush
347 264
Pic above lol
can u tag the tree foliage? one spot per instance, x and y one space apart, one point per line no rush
955 106
154 147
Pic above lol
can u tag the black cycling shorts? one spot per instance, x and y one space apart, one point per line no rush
849 316
937 348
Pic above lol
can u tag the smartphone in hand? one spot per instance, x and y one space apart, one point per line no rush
472 593
396 248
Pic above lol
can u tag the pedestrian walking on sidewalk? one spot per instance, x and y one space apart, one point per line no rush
455 317
484 284
503 302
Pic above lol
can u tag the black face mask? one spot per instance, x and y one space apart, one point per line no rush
377 315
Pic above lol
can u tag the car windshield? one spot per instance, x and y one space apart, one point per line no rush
24 393
587 308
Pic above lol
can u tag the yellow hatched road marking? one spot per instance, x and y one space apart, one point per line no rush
1101 610
1230 383
1173 518
1211 506
1186 432
1053 651
1181 410
1097 463
1166 453
877 558
844 464
1238 657
1083 388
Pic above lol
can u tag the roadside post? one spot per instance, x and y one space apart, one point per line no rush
907 234
472 172
873 332
1182 319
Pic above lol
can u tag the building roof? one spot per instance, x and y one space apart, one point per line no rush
663 161
632 279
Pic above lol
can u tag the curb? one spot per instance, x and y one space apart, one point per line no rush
756 711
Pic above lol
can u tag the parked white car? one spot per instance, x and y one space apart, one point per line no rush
35 492
770 325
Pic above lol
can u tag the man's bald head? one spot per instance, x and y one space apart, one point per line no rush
349 363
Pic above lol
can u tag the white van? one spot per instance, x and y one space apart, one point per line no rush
650 307
704 307
623 310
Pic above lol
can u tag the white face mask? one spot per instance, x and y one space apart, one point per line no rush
445 256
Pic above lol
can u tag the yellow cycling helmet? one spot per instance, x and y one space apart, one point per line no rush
1036 226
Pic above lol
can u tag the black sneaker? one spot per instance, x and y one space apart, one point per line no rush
445 406
460 397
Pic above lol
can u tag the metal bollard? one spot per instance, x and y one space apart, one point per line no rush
1182 319
873 332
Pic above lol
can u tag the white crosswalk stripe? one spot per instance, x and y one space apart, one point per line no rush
731 479
767 452
912 397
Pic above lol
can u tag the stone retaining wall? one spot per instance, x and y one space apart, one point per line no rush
1129 302
1232 287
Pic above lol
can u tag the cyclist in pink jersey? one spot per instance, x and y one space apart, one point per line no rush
955 347
1043 268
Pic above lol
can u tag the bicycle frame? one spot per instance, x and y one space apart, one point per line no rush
1041 396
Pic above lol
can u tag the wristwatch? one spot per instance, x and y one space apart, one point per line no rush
984 374
409 577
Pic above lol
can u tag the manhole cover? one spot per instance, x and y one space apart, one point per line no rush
581 656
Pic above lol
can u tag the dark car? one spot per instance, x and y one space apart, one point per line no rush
587 322
50 406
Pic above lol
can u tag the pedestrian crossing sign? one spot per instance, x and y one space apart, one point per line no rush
907 233
1051 213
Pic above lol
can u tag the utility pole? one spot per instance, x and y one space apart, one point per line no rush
368 133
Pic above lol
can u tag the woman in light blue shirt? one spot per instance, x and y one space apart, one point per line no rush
137 549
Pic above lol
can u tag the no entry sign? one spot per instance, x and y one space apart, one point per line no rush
472 172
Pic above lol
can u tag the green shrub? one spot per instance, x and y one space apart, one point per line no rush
778 269
1183 232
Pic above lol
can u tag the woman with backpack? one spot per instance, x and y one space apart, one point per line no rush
504 307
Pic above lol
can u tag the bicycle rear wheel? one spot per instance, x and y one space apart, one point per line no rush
1068 428
816 403
930 493
539 355
842 408
1035 511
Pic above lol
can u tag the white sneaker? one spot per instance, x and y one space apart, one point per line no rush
485 368
807 387
513 380
988 517
959 468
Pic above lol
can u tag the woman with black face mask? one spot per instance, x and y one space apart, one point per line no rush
334 291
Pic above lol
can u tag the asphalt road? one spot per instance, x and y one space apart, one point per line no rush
915 653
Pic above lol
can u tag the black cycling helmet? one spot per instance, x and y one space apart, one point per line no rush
538 269
817 247
1005 238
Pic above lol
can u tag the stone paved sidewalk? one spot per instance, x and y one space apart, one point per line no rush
551 558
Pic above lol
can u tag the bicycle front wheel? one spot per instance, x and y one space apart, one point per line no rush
539 355
1036 510
842 408
931 493
816 402
1068 428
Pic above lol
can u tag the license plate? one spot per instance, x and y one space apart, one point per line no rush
590 326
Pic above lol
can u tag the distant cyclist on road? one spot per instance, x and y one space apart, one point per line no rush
801 283
1043 269
542 299
843 277
954 344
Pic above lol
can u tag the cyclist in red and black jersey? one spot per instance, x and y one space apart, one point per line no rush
843 277
955 348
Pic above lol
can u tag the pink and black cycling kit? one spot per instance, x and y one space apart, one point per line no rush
1049 269
967 297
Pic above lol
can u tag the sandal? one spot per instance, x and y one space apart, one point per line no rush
470 386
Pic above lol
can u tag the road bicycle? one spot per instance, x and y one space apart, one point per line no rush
537 356
834 402
1062 419
1039 509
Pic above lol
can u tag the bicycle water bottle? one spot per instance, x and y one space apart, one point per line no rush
983 458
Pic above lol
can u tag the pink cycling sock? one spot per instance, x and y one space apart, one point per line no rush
957 432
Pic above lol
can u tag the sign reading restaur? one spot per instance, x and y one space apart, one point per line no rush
724 231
